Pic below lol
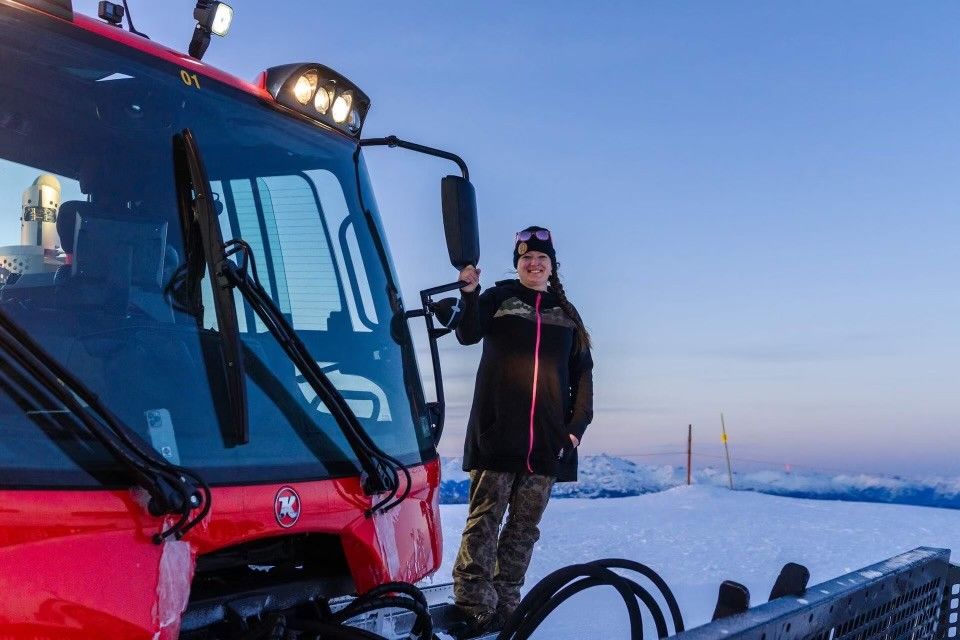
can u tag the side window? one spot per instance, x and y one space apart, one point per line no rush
352 271
305 247
249 200
308 259
278 217
307 256
307 286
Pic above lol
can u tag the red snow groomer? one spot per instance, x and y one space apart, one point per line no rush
211 417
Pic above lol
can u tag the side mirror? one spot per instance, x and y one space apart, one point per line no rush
459 201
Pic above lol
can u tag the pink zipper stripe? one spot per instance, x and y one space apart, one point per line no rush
536 371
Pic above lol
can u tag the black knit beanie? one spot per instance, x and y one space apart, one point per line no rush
533 243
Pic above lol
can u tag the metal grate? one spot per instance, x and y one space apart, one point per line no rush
898 599
951 605
911 615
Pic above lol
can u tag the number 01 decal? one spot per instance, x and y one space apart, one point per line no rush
189 79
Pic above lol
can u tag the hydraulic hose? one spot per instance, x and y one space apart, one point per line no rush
585 583
655 578
537 603
566 582
422 628
534 608
386 595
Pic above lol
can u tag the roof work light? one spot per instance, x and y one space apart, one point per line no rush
212 17
320 93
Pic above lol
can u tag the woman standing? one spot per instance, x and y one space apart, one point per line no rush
532 402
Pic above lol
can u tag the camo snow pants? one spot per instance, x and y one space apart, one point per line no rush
489 570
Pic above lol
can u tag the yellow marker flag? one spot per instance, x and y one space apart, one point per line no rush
723 438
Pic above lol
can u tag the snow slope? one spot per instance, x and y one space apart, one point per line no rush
698 536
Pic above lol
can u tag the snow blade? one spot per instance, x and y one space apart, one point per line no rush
792 581
902 598
733 598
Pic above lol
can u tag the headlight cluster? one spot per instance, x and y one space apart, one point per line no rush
320 93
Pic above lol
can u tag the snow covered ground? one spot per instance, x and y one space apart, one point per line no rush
698 536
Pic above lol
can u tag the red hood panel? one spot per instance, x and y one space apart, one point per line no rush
82 564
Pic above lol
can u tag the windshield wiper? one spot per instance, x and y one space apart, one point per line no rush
203 243
172 490
381 472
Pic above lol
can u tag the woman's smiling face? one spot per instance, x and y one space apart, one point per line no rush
534 269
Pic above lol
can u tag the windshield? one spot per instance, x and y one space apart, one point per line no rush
92 238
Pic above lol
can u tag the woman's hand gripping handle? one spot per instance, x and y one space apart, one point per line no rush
471 276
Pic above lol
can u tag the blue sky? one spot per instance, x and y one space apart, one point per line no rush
755 205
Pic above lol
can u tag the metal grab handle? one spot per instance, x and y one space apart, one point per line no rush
426 293
438 408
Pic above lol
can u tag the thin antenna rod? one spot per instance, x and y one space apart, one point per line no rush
726 448
133 29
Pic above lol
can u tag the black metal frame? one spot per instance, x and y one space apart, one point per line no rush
436 409
394 141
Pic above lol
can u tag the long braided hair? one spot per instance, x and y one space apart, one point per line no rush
583 336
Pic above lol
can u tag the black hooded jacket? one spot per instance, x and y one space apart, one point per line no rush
534 387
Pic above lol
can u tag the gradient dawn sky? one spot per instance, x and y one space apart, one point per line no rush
756 205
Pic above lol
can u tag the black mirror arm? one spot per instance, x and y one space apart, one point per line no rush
394 141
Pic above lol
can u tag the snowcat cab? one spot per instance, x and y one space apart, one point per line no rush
203 336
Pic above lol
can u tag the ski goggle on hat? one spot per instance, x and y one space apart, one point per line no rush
526 234
533 239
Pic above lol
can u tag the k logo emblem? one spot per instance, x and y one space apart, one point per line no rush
286 507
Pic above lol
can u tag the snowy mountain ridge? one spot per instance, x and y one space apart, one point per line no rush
605 476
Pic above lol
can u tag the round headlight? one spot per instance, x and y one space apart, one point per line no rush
341 107
323 100
306 85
